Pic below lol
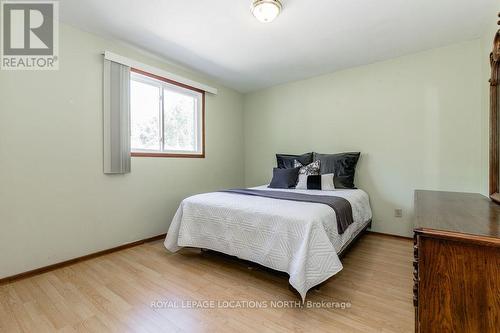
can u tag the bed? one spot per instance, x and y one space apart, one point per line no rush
299 238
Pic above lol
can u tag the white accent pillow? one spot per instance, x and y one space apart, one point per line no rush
327 183
302 183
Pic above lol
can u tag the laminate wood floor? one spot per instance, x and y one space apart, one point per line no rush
144 289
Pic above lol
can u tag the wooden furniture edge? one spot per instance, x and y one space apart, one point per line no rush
457 236
493 115
69 262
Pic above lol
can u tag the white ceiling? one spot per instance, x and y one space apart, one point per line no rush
222 39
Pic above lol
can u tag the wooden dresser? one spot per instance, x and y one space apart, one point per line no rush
457 263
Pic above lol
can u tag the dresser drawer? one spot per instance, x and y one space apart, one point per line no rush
456 286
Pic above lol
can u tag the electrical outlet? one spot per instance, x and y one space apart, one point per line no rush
398 212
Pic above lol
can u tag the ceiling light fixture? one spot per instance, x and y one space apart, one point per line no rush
266 10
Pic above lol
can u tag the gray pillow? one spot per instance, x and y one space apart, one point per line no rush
284 178
285 161
342 165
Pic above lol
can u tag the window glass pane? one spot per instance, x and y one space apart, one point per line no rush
145 116
180 121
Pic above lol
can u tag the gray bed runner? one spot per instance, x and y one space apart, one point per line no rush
341 206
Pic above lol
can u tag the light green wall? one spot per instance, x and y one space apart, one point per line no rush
55 201
416 119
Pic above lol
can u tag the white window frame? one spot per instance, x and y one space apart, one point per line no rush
199 96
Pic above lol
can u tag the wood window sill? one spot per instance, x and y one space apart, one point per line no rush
139 154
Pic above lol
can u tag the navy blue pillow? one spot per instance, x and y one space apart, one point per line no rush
284 178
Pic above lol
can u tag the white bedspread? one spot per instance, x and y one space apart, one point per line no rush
299 238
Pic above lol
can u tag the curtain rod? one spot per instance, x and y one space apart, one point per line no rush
157 71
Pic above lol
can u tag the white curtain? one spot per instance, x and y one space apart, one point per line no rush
116 118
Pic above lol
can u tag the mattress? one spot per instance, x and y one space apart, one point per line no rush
299 238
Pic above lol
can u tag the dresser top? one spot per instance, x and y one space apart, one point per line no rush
463 213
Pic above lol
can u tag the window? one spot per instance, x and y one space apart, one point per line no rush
167 118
